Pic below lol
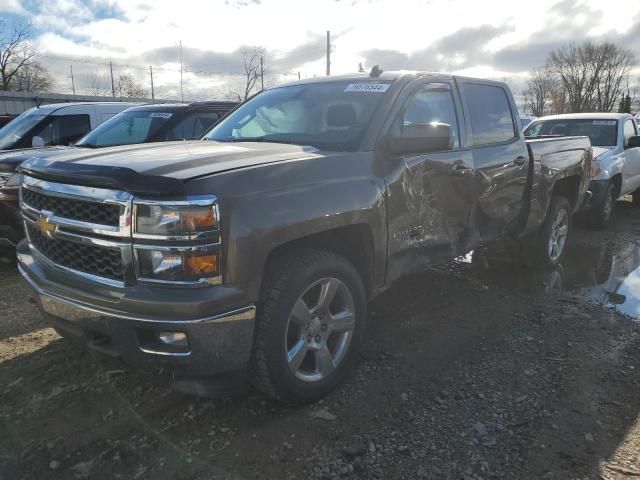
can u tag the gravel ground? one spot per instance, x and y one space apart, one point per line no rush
467 372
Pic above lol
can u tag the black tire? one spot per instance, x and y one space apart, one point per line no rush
600 215
636 197
538 250
288 276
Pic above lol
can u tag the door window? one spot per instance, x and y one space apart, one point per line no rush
629 131
490 112
193 126
433 103
64 129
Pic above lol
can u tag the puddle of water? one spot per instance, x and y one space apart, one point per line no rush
607 274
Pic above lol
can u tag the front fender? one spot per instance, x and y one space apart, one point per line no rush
270 206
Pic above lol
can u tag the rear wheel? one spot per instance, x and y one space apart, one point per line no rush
636 197
310 323
601 214
550 244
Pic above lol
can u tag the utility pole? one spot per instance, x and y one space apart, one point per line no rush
261 74
113 87
151 73
298 75
73 85
328 53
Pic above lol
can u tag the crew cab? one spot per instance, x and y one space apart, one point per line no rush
256 252
616 165
140 124
56 123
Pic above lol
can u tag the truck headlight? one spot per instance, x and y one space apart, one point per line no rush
595 169
175 220
177 241
177 265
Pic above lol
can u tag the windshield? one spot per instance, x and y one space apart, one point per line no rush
129 127
14 131
602 133
330 116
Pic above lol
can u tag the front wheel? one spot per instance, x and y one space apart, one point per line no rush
310 322
550 245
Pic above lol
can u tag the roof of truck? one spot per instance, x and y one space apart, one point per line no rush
595 115
385 77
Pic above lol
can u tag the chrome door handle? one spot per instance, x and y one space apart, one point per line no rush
520 161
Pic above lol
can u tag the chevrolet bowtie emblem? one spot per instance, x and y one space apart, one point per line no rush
45 226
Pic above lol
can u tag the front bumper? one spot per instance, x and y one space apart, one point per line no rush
123 323
11 231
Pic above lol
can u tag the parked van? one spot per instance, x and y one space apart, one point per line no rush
57 124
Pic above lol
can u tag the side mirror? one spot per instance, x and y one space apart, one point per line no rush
37 142
422 138
633 142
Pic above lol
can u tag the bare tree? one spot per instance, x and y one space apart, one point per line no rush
32 78
540 90
617 65
96 84
16 50
251 57
591 74
129 88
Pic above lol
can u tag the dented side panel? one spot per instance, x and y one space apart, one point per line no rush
429 209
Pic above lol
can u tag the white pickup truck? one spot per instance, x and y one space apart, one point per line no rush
615 170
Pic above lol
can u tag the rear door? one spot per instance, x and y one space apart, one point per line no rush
500 157
429 195
631 175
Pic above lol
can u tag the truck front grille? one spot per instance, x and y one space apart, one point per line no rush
91 212
91 259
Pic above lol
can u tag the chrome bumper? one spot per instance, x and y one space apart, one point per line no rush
218 343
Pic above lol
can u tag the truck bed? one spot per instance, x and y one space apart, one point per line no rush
552 159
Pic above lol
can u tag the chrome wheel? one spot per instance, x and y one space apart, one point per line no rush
320 329
558 234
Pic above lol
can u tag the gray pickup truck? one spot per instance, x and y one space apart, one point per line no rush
257 251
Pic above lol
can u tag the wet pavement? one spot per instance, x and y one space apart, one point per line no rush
608 274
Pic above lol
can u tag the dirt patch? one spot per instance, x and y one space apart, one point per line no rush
464 374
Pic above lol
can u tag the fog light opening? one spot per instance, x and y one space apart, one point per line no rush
164 342
174 338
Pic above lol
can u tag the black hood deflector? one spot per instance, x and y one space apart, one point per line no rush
119 178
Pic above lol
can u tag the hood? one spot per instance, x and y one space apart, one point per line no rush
10 159
599 151
181 160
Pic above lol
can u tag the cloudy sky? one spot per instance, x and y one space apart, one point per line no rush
489 38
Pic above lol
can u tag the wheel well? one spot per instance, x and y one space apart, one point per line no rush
353 242
617 181
568 187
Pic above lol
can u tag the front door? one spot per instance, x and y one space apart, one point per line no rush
631 173
430 194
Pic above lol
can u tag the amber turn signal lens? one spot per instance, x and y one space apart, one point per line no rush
203 265
193 220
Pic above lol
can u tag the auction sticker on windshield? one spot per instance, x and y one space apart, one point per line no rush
604 122
160 115
367 87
